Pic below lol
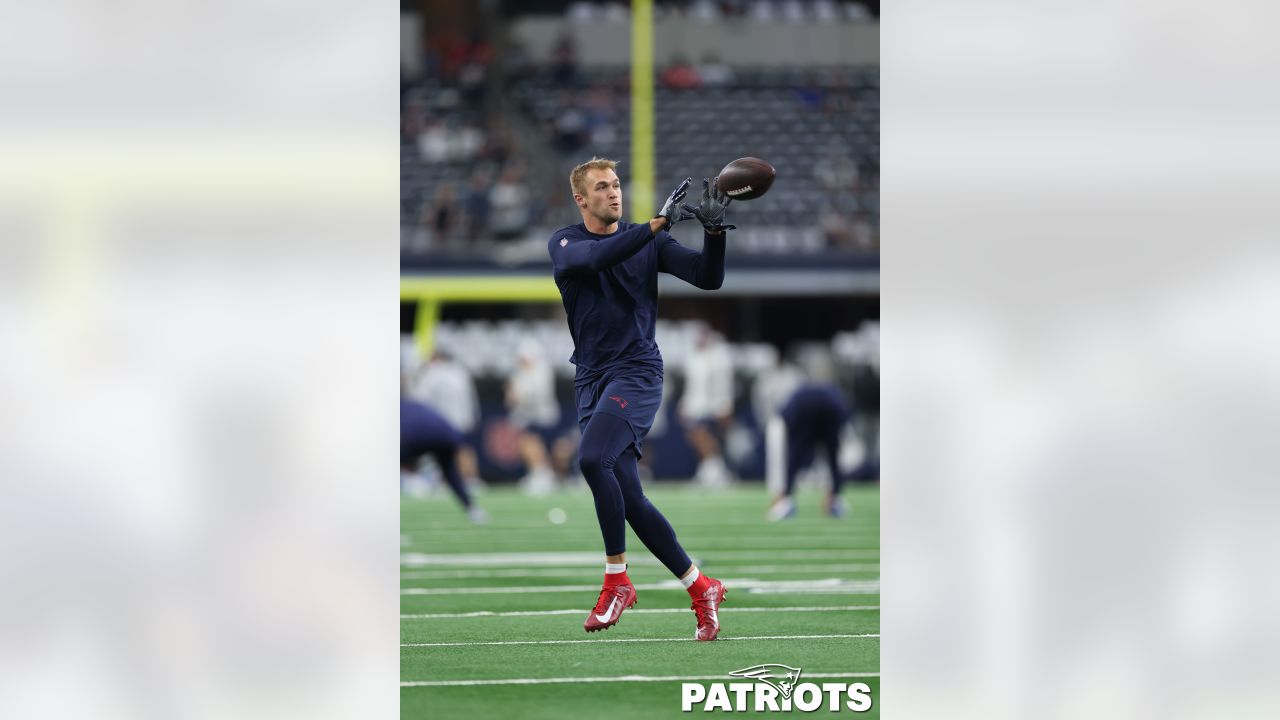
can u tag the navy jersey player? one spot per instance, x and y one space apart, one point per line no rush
607 272
423 431
814 416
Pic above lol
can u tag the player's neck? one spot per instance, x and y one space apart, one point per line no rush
593 224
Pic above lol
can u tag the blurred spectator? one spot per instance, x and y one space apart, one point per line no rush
600 109
468 140
453 51
534 410
713 72
836 229
582 12
792 11
680 75
858 12
826 12
509 205
443 216
517 63
499 143
564 61
863 233
707 405
413 119
447 386
835 170
433 143
570 125
761 11
472 72
475 205
704 10
811 95
446 141
616 12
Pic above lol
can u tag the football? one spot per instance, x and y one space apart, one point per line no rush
746 178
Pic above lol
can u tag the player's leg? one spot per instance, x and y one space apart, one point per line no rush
604 439
446 457
649 524
798 453
653 529
831 451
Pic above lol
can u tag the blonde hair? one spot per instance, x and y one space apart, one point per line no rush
578 178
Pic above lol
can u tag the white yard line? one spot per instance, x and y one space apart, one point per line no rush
748 584
629 640
579 611
618 678
578 572
700 545
595 558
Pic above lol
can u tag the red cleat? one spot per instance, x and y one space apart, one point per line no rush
706 607
613 600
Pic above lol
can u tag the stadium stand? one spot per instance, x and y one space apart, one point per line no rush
482 170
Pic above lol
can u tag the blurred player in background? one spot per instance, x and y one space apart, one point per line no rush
607 273
706 408
446 385
534 409
772 388
423 431
812 418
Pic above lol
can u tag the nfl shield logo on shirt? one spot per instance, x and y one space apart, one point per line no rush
564 241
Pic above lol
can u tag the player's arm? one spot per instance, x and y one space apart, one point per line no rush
604 254
701 269
588 256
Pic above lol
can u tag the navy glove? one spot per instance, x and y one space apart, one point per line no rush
712 208
672 210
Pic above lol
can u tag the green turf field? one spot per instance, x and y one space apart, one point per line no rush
803 593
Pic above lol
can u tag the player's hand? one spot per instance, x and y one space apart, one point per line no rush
672 210
712 208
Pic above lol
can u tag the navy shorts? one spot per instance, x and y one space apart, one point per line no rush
633 394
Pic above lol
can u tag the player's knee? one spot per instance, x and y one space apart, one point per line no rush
593 462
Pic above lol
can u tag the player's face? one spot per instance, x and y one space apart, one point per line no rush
604 196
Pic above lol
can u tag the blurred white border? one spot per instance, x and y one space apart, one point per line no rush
198 264
1081 293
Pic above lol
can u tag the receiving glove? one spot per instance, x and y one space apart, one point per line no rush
672 210
712 208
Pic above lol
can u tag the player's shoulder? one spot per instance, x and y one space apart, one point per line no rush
565 235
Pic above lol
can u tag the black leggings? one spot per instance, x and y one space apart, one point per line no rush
609 462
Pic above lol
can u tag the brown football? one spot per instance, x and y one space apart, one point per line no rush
746 178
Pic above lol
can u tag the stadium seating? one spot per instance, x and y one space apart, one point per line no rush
818 126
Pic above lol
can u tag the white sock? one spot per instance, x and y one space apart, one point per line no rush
614 568
690 579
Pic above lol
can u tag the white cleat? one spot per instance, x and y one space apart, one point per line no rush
782 509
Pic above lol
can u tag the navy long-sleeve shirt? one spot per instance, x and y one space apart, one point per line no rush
609 285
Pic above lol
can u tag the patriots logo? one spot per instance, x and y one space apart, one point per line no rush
564 241
781 677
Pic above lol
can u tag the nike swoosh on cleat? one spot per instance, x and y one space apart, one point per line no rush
608 613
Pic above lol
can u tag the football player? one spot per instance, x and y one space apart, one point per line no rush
607 272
